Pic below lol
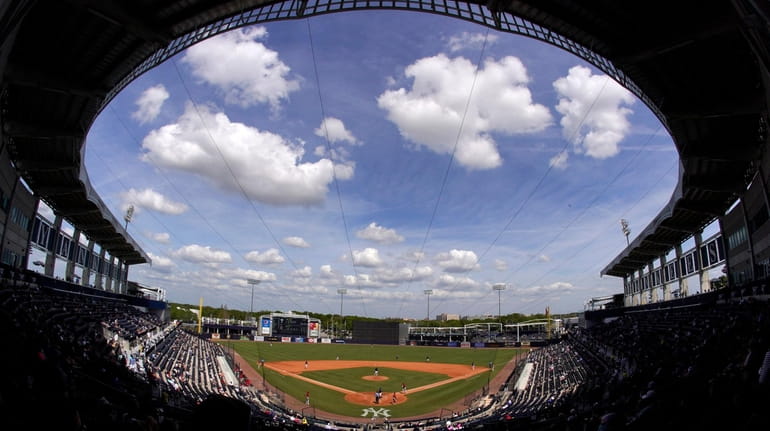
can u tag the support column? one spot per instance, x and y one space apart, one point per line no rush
626 292
99 268
69 270
682 281
125 277
53 244
750 242
86 280
703 275
653 290
110 275
666 290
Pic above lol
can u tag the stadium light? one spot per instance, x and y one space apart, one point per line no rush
428 292
342 292
626 230
253 282
129 215
499 287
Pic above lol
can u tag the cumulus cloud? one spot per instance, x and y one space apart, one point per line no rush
151 200
467 40
244 70
379 234
295 241
401 275
546 290
429 114
369 257
268 167
305 272
414 256
594 112
161 237
269 257
451 282
336 131
199 254
458 260
161 263
149 103
360 280
326 271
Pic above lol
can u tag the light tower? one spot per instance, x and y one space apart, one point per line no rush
253 282
342 293
499 287
428 292
626 230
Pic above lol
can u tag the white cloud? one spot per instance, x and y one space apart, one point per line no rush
369 257
451 282
458 260
296 241
161 263
466 40
544 258
242 276
430 113
336 131
501 265
327 272
161 237
281 179
413 256
199 254
305 272
245 71
547 290
593 112
379 234
269 257
151 200
559 161
149 104
361 280
402 275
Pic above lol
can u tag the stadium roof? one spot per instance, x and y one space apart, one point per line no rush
698 65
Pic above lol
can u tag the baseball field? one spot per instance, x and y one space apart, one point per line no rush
344 379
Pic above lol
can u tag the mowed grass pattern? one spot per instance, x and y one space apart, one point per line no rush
353 378
332 401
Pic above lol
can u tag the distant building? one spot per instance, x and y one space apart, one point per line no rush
446 316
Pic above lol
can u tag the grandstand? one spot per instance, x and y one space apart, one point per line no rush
82 353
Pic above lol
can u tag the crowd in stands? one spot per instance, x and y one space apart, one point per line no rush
77 361
695 367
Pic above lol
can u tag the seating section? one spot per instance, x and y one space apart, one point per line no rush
93 362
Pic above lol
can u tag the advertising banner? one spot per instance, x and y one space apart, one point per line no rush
266 326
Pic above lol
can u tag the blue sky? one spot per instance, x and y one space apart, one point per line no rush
390 165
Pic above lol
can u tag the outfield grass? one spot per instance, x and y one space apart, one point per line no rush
332 401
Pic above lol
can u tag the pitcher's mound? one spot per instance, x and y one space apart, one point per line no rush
374 378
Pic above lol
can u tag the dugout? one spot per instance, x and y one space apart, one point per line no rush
371 332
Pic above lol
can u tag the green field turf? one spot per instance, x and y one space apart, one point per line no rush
352 378
331 401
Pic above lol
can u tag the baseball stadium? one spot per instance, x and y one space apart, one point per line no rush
359 215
